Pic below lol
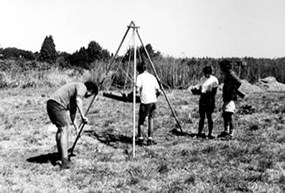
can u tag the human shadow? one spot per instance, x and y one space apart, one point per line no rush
110 139
45 158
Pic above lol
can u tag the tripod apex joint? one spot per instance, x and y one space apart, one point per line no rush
133 25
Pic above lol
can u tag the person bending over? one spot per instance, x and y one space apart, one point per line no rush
63 102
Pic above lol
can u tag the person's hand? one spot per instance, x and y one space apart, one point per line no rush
84 120
196 90
75 127
194 87
158 93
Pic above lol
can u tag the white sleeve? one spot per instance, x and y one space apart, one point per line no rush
139 82
156 84
216 83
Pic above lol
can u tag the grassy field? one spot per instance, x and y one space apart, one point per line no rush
254 161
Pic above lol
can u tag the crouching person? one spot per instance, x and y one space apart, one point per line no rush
148 89
63 104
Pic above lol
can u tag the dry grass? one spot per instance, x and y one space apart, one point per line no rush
252 162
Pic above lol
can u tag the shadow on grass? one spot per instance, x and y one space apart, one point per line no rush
179 133
45 158
110 139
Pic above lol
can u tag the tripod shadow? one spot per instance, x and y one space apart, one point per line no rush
45 158
110 139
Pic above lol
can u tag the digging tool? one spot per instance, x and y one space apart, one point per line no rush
81 127
76 128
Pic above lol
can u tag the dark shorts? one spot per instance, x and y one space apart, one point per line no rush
57 113
206 106
146 110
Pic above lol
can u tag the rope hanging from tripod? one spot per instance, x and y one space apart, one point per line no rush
128 78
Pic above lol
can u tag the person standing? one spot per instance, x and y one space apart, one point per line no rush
148 89
230 93
63 102
208 90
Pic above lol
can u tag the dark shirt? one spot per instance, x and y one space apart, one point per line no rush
231 85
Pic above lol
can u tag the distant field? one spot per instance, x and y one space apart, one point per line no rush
253 162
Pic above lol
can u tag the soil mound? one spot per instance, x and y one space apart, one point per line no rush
271 84
249 88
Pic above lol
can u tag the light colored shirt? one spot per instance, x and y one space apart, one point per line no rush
66 95
207 84
147 86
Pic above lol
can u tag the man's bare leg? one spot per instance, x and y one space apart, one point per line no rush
62 145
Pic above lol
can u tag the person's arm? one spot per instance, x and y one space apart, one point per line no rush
138 85
215 85
241 94
73 114
138 89
79 104
237 82
158 90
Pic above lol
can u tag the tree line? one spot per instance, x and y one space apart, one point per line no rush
48 53
173 72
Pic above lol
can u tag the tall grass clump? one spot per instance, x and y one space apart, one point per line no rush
22 73
174 73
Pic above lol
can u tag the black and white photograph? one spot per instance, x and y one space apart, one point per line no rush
166 96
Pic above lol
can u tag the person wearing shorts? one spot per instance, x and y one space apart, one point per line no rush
148 89
208 89
61 108
230 93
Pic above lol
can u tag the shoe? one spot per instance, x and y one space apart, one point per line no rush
151 142
223 134
66 164
211 137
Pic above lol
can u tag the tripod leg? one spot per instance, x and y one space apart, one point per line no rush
159 82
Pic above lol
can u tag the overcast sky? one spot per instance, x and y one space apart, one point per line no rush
179 28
